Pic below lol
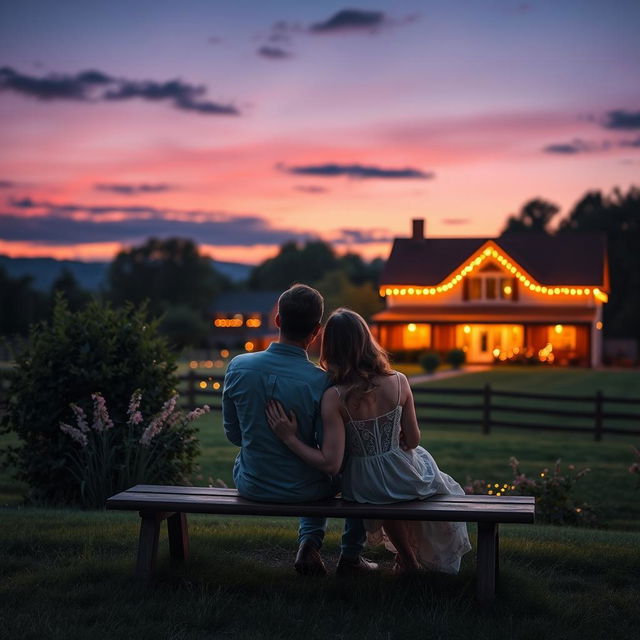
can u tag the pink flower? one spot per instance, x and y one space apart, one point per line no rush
101 419
135 417
76 434
81 418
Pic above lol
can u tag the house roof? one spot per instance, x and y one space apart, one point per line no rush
246 302
565 259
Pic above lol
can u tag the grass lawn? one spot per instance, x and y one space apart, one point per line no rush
67 573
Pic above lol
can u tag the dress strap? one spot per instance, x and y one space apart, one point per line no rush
398 400
344 404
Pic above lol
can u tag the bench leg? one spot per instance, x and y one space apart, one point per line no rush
148 544
487 562
178 536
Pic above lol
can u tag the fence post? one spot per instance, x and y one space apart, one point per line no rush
486 409
191 389
597 432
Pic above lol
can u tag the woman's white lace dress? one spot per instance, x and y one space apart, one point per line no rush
378 471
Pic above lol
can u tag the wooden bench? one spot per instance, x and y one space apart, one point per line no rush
156 503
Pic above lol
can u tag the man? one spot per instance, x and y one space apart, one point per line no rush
265 469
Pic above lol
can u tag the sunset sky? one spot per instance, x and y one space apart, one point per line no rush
245 124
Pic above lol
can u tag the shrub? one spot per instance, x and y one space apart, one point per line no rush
456 358
555 503
98 349
112 457
430 361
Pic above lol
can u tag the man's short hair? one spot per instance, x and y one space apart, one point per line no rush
300 308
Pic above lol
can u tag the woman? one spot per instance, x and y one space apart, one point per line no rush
369 414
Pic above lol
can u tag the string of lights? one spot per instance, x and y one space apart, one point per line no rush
492 252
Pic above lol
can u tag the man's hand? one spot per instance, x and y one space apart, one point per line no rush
285 427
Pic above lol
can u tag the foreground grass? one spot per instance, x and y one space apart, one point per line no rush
67 574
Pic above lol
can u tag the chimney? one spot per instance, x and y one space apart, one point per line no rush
418 229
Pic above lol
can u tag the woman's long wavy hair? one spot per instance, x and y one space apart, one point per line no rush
351 355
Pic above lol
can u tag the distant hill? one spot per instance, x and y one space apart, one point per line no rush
90 275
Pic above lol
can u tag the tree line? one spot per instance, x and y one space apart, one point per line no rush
179 284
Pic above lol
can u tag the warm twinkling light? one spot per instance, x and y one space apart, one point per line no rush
249 346
472 265
411 328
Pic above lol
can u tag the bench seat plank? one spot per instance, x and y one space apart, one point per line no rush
222 491
229 503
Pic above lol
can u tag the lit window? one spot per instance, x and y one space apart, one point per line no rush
490 286
562 337
475 288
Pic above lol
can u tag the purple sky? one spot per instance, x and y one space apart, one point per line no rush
244 124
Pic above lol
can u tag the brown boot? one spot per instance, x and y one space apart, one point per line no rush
349 567
309 562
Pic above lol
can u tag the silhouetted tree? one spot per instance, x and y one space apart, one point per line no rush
534 216
305 264
20 304
67 285
168 273
618 217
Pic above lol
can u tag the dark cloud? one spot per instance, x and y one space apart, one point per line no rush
71 223
7 184
455 221
311 188
570 148
351 20
95 86
133 189
621 119
360 236
585 146
357 171
274 53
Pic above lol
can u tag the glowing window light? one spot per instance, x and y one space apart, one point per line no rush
411 328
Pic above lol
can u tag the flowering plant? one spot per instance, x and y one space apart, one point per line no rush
110 457
552 490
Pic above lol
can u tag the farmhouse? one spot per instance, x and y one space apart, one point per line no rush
245 319
517 297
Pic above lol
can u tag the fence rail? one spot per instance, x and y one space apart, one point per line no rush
594 414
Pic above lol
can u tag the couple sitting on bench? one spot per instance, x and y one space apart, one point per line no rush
307 433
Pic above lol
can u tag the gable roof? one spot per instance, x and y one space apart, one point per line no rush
246 302
566 259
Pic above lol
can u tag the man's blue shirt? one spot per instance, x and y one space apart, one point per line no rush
265 468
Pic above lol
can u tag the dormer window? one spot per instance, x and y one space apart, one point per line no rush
488 287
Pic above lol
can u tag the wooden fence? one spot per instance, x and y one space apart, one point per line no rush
486 407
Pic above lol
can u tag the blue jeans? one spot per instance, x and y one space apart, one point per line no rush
353 535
